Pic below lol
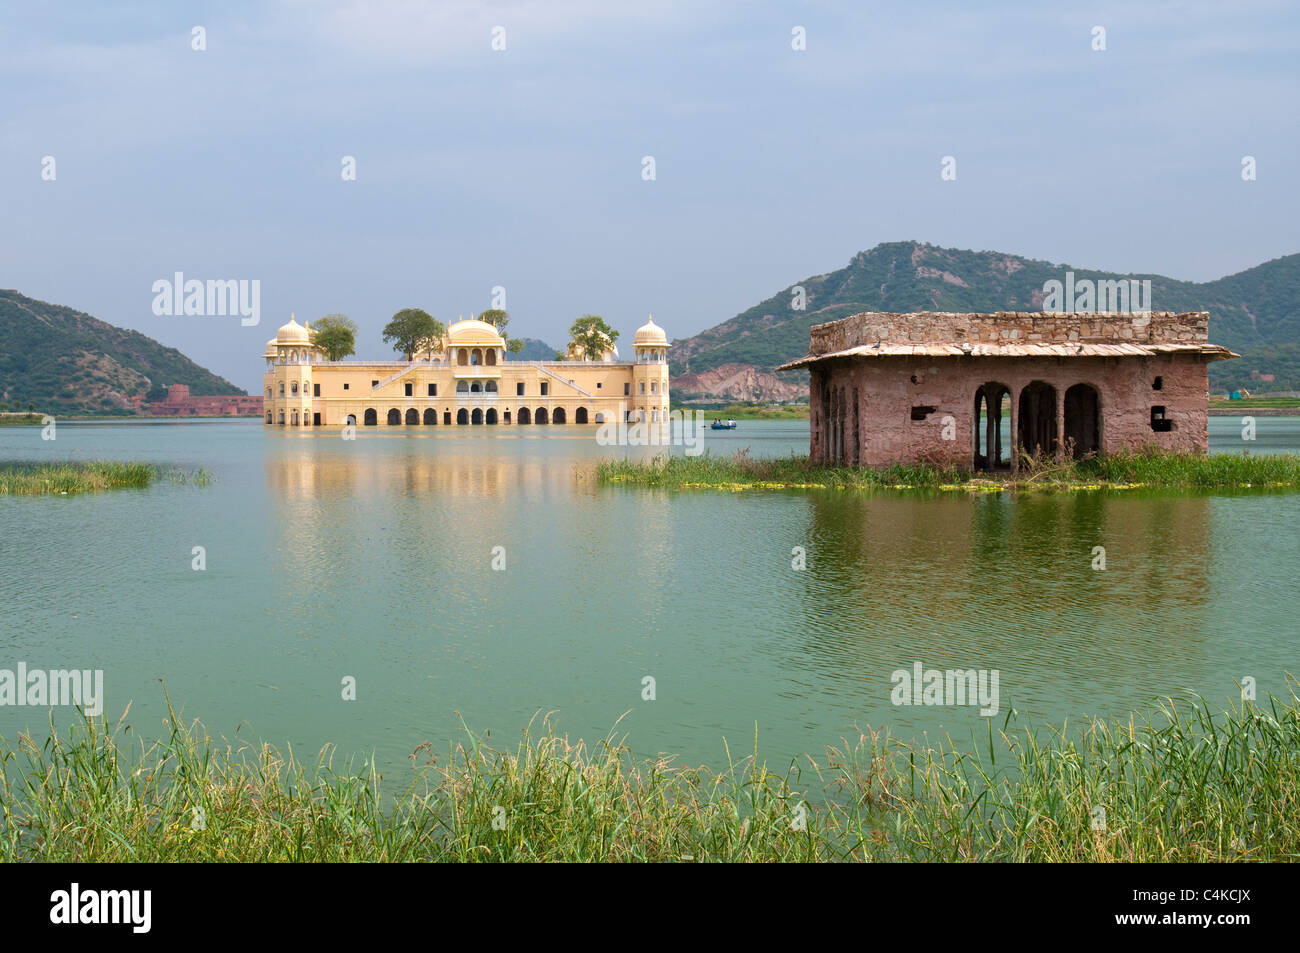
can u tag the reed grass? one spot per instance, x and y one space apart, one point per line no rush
1177 784
1128 470
35 478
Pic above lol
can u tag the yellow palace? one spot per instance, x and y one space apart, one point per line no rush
465 381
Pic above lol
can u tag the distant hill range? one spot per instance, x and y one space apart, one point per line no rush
1255 313
66 361
534 350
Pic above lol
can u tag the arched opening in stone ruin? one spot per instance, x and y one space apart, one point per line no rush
1036 420
992 427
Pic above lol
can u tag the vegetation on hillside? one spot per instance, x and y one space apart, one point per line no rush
1255 312
1176 783
64 361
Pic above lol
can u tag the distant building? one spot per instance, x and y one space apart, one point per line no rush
180 403
467 380
975 390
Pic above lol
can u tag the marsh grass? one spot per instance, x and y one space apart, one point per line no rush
1129 470
1179 784
29 478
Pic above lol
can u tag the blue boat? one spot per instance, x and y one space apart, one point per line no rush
723 425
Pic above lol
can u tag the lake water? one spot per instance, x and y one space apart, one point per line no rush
373 559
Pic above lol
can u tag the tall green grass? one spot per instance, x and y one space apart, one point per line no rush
35 478
1178 784
1147 468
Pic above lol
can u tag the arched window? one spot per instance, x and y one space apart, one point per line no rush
293 388
462 356
282 417
492 357
281 388
462 387
372 418
540 416
559 416
268 417
580 415
476 356
268 392
654 387
430 417
477 418
490 387
525 416
462 417
476 387
412 417
394 417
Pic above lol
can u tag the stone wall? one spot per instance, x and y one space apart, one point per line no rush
1010 327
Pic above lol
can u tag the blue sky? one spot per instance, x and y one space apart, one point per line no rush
523 168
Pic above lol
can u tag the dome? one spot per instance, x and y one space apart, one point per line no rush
473 333
292 333
650 335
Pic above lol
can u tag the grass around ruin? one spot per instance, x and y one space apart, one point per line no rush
1124 471
1176 783
28 478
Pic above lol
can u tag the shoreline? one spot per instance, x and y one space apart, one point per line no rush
1128 471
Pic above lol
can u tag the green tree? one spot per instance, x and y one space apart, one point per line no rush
592 335
336 335
413 330
515 345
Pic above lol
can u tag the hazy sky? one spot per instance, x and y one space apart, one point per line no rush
523 167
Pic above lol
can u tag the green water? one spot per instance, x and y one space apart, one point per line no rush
373 559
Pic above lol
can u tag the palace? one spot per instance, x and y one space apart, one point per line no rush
978 391
466 380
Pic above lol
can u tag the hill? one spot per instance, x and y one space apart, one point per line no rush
64 360
534 350
1255 313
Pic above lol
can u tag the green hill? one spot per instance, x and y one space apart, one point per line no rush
534 350
66 361
1255 312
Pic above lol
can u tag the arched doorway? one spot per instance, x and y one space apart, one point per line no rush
430 417
540 416
1082 420
506 418
462 417
394 417
1036 419
476 418
491 417
446 418
991 432
372 418
412 417
559 417
580 415
525 416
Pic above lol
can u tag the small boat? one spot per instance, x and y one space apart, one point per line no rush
723 425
